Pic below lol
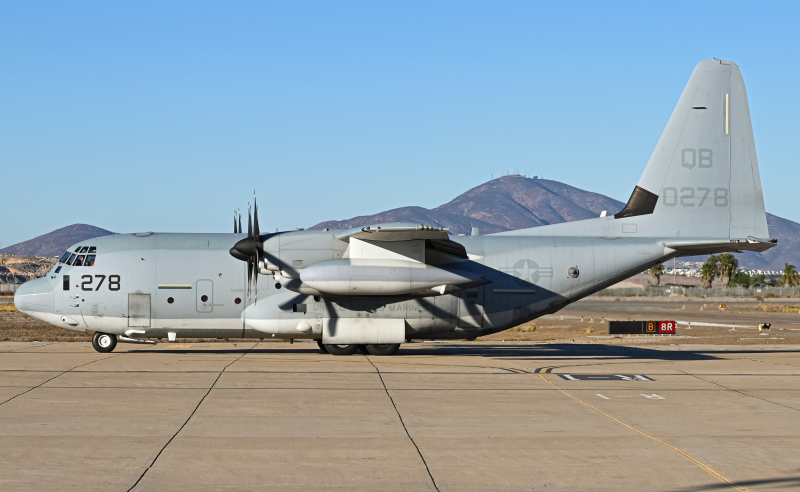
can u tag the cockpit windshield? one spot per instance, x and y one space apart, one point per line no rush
80 256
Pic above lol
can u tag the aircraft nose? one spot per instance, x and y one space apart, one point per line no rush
36 298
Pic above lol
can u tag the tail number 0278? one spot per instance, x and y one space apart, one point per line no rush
695 197
88 281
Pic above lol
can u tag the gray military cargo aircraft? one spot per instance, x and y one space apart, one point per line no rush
377 286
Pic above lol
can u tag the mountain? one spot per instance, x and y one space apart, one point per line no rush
56 242
502 204
516 202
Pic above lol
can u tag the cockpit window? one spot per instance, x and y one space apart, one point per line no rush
65 257
71 259
92 249
89 261
83 249
79 260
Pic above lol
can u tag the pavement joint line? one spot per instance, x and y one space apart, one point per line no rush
686 455
23 348
189 418
743 393
385 389
61 374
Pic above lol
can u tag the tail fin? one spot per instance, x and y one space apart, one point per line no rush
702 179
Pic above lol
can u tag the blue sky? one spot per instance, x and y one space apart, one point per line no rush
165 116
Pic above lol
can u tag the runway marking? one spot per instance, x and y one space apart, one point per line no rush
604 397
686 455
608 377
543 370
404 424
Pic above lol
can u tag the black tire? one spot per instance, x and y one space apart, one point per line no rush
383 348
322 346
104 342
363 349
341 349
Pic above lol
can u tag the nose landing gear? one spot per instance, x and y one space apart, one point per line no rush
103 342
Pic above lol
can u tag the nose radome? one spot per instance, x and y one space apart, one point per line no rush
36 298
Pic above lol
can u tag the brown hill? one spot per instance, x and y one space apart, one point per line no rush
56 242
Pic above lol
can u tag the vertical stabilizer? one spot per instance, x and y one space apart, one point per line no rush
702 179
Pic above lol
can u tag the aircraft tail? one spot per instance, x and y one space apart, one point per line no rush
702 179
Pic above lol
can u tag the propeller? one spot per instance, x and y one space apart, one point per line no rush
250 249
237 215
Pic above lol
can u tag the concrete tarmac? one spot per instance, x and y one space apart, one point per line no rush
448 417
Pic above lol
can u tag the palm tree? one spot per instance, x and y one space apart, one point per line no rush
727 268
657 271
790 276
710 271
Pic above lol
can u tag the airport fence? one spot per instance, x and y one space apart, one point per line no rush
8 288
672 291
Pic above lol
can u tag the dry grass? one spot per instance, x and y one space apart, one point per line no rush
777 308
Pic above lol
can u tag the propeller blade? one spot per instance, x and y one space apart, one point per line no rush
256 229
249 222
249 275
234 222
240 220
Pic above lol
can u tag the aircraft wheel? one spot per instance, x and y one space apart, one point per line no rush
341 349
322 346
363 349
103 342
383 348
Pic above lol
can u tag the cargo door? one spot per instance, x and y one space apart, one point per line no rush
205 296
470 308
139 310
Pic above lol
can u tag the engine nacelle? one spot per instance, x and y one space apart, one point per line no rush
378 277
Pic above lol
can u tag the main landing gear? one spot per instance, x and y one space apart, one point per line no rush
369 349
103 342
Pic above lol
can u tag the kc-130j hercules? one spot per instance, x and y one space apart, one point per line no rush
377 286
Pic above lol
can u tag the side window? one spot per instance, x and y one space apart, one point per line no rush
58 269
65 284
83 249
71 259
92 249
64 257
79 260
89 260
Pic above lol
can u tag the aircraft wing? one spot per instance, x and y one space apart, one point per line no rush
437 237
394 232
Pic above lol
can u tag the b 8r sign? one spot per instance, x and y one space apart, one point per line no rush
642 327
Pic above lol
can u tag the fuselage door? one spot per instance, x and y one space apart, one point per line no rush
139 310
470 308
205 296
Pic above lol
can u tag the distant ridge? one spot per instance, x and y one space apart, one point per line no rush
56 242
515 202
